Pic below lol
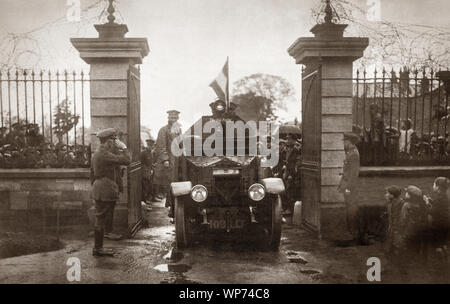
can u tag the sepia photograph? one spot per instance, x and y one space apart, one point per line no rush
217 143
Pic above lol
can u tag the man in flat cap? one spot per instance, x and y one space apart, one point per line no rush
166 170
106 184
349 186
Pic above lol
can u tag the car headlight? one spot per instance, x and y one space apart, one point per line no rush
256 192
199 193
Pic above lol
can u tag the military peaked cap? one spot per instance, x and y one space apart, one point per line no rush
173 113
110 132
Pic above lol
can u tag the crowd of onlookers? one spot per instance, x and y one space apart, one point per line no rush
23 146
380 145
418 223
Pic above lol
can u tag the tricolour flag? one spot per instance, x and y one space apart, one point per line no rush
220 85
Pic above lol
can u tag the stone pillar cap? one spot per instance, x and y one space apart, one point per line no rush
309 49
329 30
97 49
111 30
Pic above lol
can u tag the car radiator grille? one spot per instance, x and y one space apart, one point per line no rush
227 190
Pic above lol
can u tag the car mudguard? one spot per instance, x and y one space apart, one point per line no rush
180 188
273 185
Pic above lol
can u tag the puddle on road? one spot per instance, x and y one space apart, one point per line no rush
164 232
176 268
178 280
296 257
177 272
162 268
309 271
173 255
298 260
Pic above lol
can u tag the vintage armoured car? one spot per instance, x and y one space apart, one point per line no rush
228 194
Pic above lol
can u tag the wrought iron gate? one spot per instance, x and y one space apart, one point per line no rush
134 145
311 144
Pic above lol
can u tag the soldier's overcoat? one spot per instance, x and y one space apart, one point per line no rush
350 174
106 177
164 175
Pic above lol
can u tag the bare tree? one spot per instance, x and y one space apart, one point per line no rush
396 44
26 50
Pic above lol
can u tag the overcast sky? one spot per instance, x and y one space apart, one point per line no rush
190 39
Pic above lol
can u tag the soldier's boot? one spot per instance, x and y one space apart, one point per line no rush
102 252
98 244
112 236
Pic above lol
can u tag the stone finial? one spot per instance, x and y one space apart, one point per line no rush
111 10
329 29
328 12
111 29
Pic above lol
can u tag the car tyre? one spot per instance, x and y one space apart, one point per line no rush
181 233
275 232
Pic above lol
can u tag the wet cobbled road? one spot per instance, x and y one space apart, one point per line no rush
151 257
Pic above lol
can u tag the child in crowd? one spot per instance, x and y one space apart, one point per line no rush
440 208
394 238
414 223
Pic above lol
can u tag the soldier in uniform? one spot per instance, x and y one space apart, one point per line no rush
148 159
349 186
166 162
106 181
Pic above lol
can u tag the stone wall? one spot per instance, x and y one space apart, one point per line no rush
26 193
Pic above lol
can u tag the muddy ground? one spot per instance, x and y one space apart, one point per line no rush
150 257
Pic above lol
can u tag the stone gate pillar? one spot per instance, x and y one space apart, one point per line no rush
335 54
109 56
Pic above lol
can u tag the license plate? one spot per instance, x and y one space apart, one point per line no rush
223 224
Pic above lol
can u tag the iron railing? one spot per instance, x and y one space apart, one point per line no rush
44 119
402 117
